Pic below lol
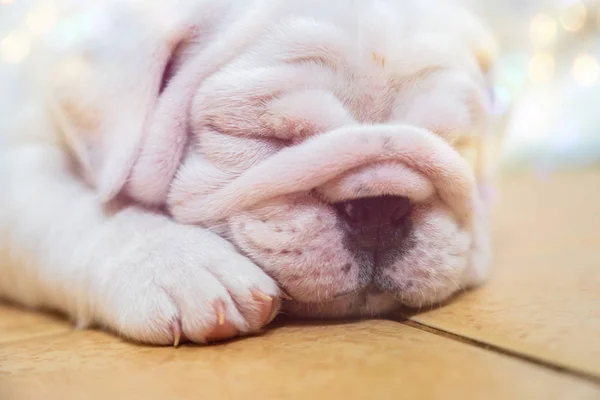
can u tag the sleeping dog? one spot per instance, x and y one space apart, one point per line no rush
185 170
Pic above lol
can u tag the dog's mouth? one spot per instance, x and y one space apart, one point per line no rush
364 291
367 301
360 292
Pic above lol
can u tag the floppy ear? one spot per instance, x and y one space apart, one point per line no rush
105 86
115 99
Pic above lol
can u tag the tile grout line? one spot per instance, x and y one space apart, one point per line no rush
502 350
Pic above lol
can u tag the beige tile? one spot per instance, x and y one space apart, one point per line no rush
543 299
363 360
18 324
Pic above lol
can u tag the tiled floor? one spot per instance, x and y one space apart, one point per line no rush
532 333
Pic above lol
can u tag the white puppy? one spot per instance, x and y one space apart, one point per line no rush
172 170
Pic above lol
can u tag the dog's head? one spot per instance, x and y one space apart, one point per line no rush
321 138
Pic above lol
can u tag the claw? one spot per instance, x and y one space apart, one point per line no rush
220 311
285 295
262 296
176 334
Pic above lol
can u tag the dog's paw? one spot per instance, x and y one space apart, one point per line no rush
184 284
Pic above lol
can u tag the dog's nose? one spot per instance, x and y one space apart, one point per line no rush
376 222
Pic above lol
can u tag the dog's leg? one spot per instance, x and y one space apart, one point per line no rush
130 270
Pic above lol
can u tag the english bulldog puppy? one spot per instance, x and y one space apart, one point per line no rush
184 170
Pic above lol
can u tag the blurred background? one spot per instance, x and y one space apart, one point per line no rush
547 82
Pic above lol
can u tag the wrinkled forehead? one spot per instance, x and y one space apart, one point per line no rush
403 33
400 33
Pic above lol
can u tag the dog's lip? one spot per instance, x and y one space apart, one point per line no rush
368 290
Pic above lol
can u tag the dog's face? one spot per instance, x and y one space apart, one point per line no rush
338 141
326 152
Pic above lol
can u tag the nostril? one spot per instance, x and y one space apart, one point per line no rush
400 209
375 211
352 212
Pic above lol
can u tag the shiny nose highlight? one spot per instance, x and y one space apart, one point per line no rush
374 223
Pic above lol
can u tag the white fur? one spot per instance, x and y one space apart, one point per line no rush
272 111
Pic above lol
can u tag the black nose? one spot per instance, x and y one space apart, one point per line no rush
376 222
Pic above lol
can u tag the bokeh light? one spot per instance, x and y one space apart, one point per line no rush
573 17
15 47
543 30
541 68
41 19
586 70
